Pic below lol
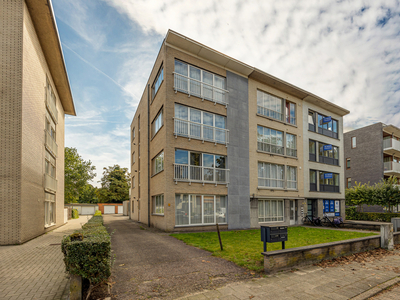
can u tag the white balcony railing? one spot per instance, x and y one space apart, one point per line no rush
269 113
51 106
391 166
391 144
51 143
200 89
200 174
50 183
199 131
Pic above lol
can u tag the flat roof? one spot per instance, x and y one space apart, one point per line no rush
42 15
180 41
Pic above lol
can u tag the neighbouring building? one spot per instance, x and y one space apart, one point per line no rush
372 153
35 96
214 140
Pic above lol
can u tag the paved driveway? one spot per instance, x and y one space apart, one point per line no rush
150 263
35 270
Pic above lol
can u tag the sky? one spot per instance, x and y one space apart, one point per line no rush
347 52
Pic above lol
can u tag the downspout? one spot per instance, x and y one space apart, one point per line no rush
148 155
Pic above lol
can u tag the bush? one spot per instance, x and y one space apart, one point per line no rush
75 214
352 214
87 252
97 213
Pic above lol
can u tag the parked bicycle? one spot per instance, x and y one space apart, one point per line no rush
316 221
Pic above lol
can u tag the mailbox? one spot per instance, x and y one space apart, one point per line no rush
273 234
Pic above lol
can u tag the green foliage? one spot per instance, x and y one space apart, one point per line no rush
115 185
77 174
244 247
88 194
97 213
352 214
75 214
89 256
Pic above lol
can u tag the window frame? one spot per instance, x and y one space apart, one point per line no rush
288 149
262 145
133 134
270 112
271 179
154 128
330 186
156 84
330 159
353 142
154 163
49 215
277 216
348 161
348 181
288 110
288 168
313 186
158 204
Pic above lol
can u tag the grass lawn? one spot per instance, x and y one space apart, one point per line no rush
244 247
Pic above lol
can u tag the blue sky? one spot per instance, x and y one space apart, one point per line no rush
347 52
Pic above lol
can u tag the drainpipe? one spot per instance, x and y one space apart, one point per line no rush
148 154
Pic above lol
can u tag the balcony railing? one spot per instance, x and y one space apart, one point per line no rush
392 167
50 143
391 144
200 89
269 113
50 183
199 131
291 152
51 106
270 148
200 174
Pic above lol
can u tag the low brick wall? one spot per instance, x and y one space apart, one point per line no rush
287 259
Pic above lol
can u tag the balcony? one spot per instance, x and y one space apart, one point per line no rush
50 143
391 168
200 174
51 106
199 131
200 89
50 183
391 147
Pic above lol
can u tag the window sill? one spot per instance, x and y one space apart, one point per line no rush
157 132
48 226
281 155
269 222
325 192
323 163
157 173
276 120
324 135
199 225
278 189
160 215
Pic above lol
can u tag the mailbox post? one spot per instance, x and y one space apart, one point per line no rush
273 234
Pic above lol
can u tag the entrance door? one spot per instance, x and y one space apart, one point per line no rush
292 212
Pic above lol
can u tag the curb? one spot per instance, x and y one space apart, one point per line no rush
377 289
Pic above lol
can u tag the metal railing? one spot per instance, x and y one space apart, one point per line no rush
271 182
391 143
200 89
291 121
50 183
51 106
184 172
269 113
391 166
199 131
291 152
270 148
51 143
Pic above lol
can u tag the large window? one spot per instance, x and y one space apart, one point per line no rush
201 125
269 105
291 147
51 101
291 177
347 163
49 209
158 163
353 142
133 133
271 210
313 180
348 184
328 182
204 167
327 126
290 113
157 82
328 154
311 120
200 83
269 140
157 123
158 205
200 209
271 175
312 151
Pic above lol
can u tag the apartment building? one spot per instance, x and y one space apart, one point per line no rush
35 96
215 140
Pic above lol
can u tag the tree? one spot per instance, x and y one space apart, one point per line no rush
77 174
115 185
88 194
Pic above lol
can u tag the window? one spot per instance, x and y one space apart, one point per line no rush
204 167
200 209
157 123
133 158
158 205
348 182
51 101
327 126
49 209
353 142
291 148
328 154
133 182
269 105
133 133
290 113
291 177
50 126
311 208
197 124
158 163
200 83
328 182
157 82
271 175
347 163
312 152
270 210
311 120
269 140
313 180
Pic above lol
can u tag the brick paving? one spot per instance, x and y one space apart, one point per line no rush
35 270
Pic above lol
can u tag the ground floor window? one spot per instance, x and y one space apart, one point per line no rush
271 210
158 204
200 209
49 209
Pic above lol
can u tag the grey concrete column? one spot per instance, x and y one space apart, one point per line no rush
387 236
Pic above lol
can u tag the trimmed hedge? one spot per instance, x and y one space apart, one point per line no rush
352 214
75 214
87 252
97 213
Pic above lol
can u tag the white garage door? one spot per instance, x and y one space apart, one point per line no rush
109 209
120 209
87 210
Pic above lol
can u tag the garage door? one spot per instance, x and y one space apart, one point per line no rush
87 210
109 209
120 209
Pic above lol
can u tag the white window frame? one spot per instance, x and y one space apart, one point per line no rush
290 183
265 106
273 147
157 123
157 82
49 215
263 218
158 205
290 151
264 177
289 118
353 142
159 156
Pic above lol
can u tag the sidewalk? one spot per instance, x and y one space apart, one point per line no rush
35 270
